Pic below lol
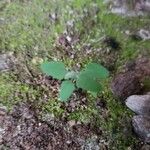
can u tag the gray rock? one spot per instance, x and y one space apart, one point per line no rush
140 104
144 34
129 7
91 144
141 125
6 62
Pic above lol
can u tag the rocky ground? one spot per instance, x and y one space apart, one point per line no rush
31 117
129 83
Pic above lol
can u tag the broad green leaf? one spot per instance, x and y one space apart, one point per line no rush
86 82
97 71
67 88
71 75
55 69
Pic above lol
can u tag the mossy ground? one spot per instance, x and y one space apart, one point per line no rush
30 29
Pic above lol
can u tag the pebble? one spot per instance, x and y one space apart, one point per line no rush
141 125
140 104
6 62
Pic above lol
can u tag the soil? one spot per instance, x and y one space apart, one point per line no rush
24 130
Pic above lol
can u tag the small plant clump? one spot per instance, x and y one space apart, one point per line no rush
88 79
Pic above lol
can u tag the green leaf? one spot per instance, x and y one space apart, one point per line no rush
67 88
86 82
71 75
97 71
55 69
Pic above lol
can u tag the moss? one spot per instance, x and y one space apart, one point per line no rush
53 107
12 92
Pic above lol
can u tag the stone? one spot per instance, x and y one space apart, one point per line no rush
6 62
129 7
140 104
125 84
141 126
71 123
91 144
144 34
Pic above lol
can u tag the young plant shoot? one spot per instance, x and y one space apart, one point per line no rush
88 79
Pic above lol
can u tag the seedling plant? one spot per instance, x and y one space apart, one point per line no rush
88 79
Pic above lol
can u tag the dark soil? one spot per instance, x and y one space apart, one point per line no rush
130 81
25 131
125 85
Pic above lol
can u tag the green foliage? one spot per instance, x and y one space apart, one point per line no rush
67 87
55 69
97 71
88 82
88 79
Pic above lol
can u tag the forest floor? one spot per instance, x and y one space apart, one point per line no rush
76 32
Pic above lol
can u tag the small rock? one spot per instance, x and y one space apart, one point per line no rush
141 125
53 17
126 8
91 144
144 34
68 38
126 84
140 104
6 62
71 123
68 142
127 32
3 110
